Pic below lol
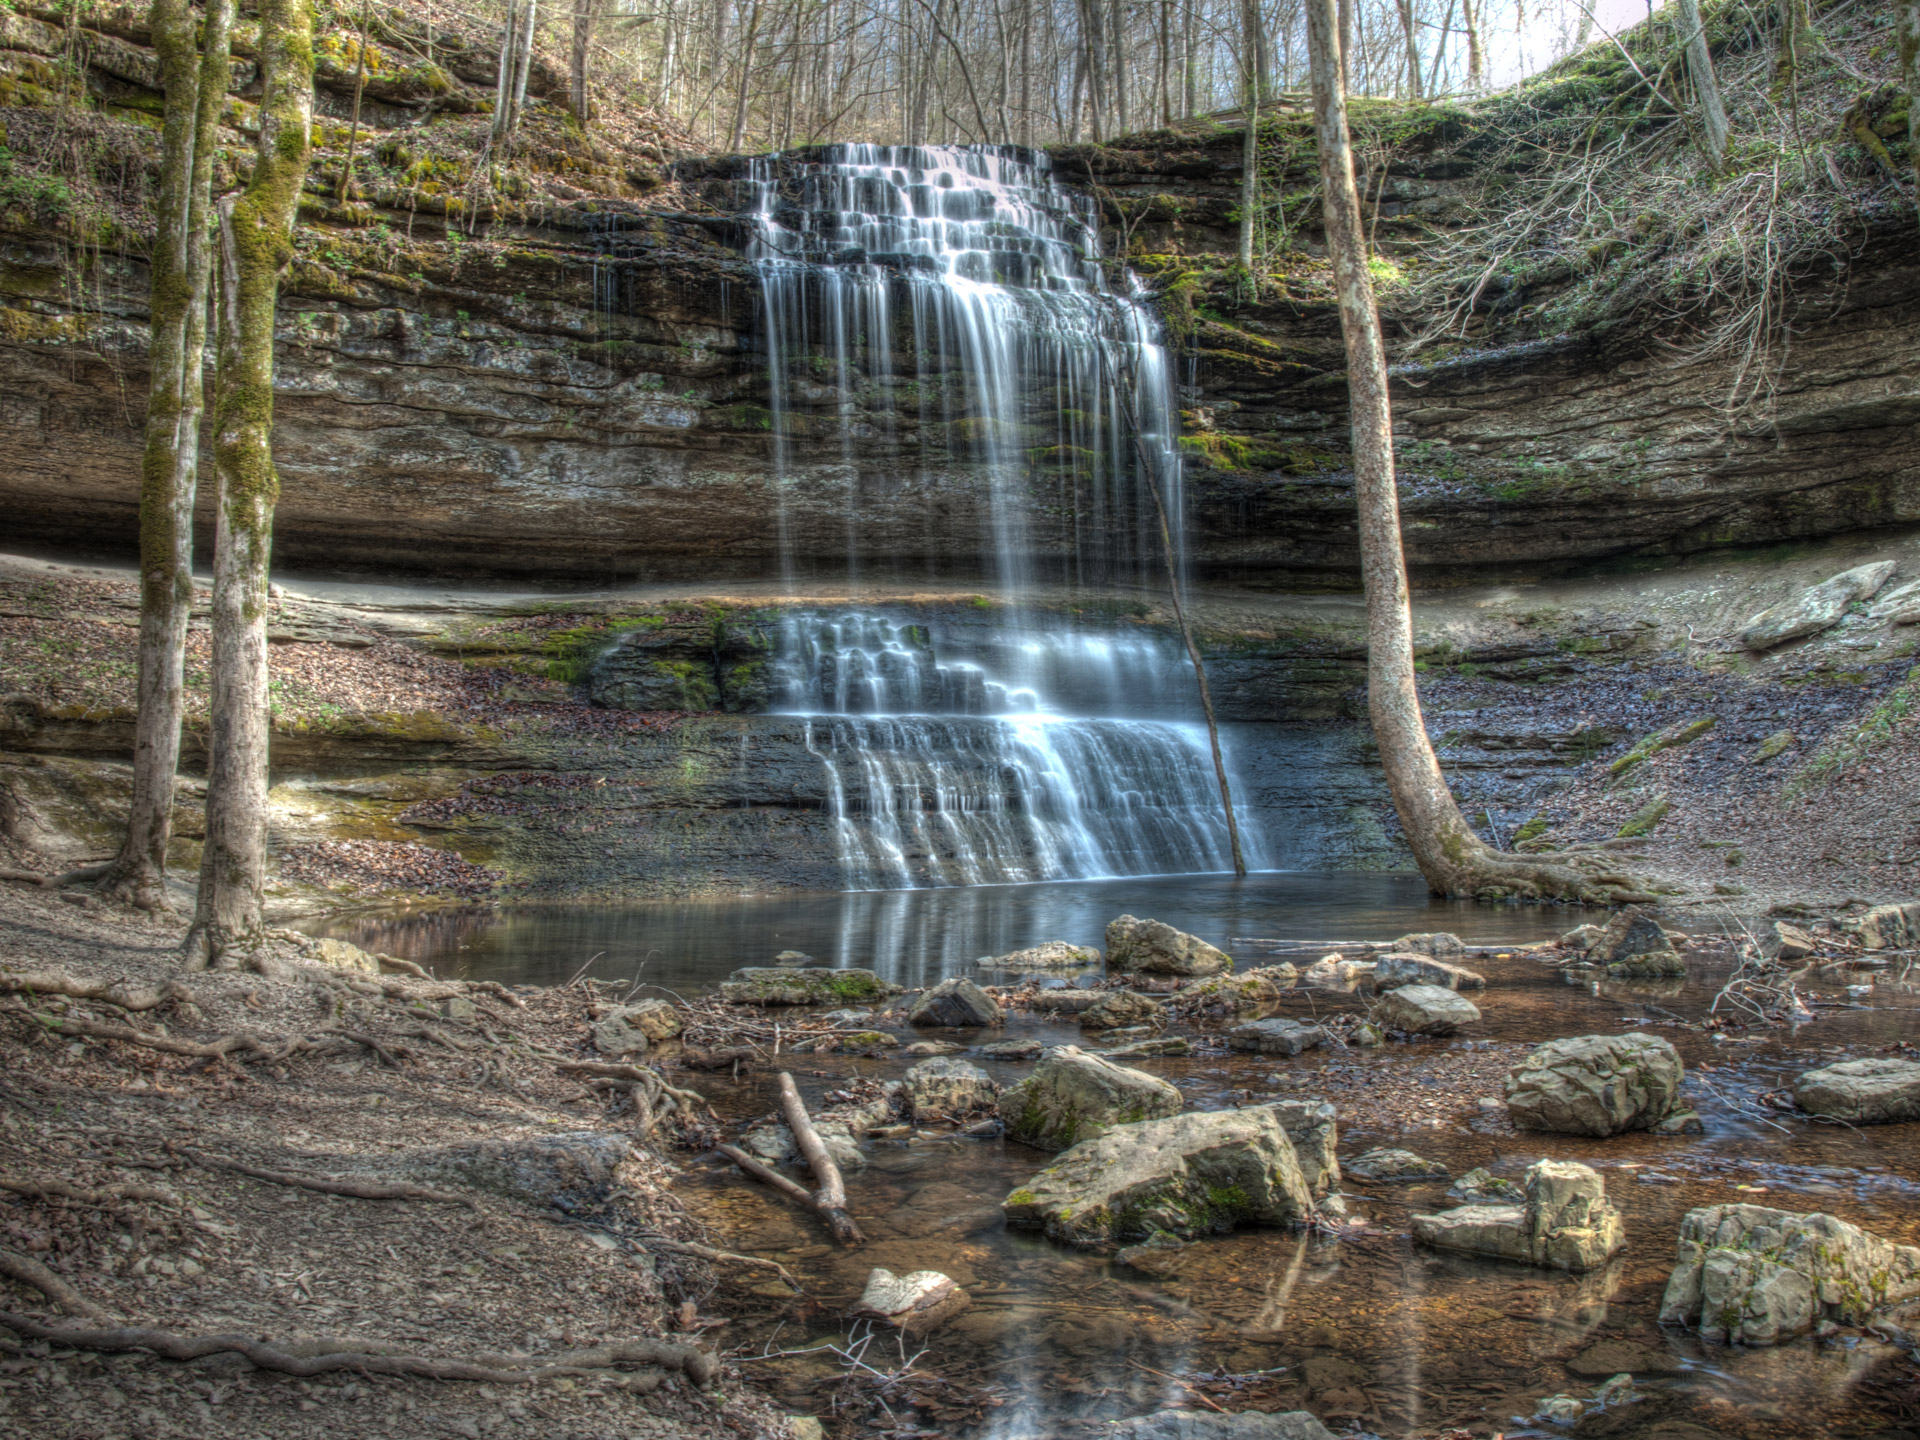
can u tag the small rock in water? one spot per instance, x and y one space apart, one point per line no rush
932 1047
1156 947
949 1089
1154 1255
1789 942
1276 1037
914 1303
1119 1009
1148 1049
1012 1050
1067 1001
1879 1091
1199 1425
769 985
1616 1390
1559 1410
1395 1165
1611 1357
1437 944
1052 955
1483 1187
1410 969
1565 1222
792 957
1424 1010
1335 972
957 1003
1633 944
847 1017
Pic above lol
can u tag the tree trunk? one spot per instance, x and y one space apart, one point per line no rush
256 242
195 80
1909 18
746 79
1410 28
1476 61
522 67
1454 860
1250 145
1706 88
359 89
585 12
502 130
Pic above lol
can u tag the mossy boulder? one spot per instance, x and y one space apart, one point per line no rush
1187 1175
1564 1222
1073 1096
766 985
1120 1009
1259 986
1634 945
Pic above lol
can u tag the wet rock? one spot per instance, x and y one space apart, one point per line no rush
1152 1049
1335 972
841 1143
1564 1222
1435 945
574 1170
1900 605
957 1003
1248 987
1072 1096
1633 943
1750 1275
1118 1009
1012 1050
1681 1122
1886 927
914 1303
341 956
793 957
932 1047
1067 1002
1818 607
1581 938
1424 1010
628 1029
1482 1187
1310 1126
1785 941
1396 968
1276 1037
1879 1091
1401 1166
1595 1085
1156 1255
766 985
1199 1425
1053 955
1159 949
770 1142
949 1089
1188 1175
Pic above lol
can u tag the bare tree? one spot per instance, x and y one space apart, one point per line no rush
1909 24
1410 28
256 242
194 76
1712 115
585 12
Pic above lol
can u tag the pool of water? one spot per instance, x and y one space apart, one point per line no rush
915 937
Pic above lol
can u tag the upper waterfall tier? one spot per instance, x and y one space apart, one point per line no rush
940 317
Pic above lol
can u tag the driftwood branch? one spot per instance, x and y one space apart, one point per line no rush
357 1189
16 1266
114 992
697 1365
831 1197
768 1176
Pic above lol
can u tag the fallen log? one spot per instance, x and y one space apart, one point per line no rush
830 1199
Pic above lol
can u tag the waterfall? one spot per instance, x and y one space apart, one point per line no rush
938 316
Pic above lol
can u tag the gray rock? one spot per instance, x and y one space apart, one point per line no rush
1052 955
1581 938
1159 949
949 1089
1073 1096
1067 1002
1633 943
1818 607
1276 1037
1878 1091
1750 1275
1481 1186
1152 1049
1199 1425
341 956
1900 605
1398 968
573 1170
1424 1010
793 957
1247 988
1310 1126
771 1142
1195 1174
913 1303
1121 1008
841 1143
1565 1222
1400 1166
1595 1085
1886 927
612 1035
1012 1050
1788 942
932 1047
957 1003
1435 945
1336 972
768 985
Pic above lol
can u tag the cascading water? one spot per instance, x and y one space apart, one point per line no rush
956 294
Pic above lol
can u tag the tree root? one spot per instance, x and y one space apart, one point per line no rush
387 1057
111 1195
77 876
113 992
688 1102
356 1189
699 1366
242 1043
1502 875
31 1272
728 1257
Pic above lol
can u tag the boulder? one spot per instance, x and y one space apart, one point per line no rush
1276 1037
570 1171
1067 1002
1073 1096
1900 605
1199 1425
1424 1010
1408 968
1749 1275
1564 1222
1886 927
1158 949
1310 1126
1818 607
1879 1091
1580 938
341 956
1435 945
1595 1085
1052 955
1012 1050
1247 988
612 1035
1118 1009
1189 1175
913 1303
1789 942
1633 943
957 1003
1399 1166
771 985
1481 1186
949 1089
1160 1048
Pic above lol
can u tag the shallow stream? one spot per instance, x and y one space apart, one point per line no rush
1368 1331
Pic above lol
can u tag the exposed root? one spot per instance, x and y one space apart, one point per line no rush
1503 875
31 1272
78 876
114 992
78 1195
728 1257
688 1102
357 1189
387 1057
242 1043
697 1365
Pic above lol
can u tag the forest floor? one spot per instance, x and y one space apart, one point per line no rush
554 1232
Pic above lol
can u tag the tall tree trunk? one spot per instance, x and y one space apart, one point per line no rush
502 130
1476 61
1453 858
194 77
1706 87
1909 23
739 132
359 89
1190 49
522 68
256 242
1250 145
585 12
1410 28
